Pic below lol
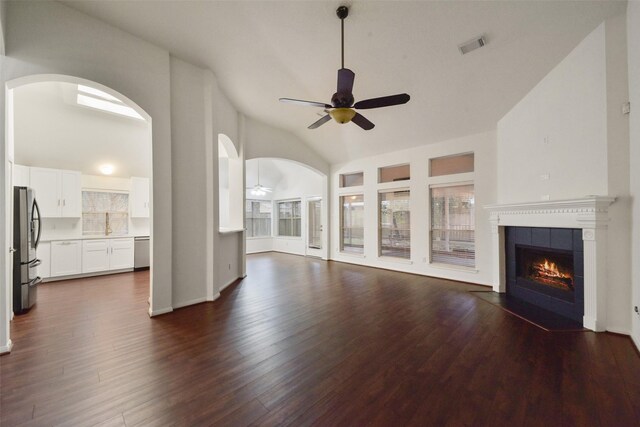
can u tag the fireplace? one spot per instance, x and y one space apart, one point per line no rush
549 271
545 268
575 225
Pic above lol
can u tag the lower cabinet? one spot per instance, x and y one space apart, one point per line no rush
44 255
95 256
66 257
121 255
107 254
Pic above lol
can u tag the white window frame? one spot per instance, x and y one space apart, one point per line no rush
270 220
379 223
341 222
277 219
450 183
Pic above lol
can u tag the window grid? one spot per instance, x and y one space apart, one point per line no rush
289 219
453 225
352 224
258 218
394 228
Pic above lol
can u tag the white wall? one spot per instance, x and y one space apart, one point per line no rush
3 25
483 145
633 46
571 128
189 195
618 174
567 109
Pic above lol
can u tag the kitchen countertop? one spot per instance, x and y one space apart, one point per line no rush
89 237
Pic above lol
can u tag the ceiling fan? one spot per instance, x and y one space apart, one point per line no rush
259 189
342 109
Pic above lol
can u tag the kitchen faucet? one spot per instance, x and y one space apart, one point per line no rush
107 228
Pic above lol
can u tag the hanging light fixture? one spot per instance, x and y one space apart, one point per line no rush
258 189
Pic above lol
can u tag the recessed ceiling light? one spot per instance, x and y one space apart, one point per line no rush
106 169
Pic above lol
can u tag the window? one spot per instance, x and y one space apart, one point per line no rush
289 219
352 224
394 173
105 213
453 225
258 218
449 165
394 226
352 179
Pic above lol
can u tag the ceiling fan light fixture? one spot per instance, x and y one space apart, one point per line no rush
342 115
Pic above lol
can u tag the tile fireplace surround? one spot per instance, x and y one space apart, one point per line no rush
590 214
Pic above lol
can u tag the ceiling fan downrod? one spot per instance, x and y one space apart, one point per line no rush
342 12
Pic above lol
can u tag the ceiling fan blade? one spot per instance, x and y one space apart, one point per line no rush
345 80
307 103
320 122
361 121
268 190
385 101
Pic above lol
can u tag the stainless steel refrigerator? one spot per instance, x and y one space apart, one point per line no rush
27 228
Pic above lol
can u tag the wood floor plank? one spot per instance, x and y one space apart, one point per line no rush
302 342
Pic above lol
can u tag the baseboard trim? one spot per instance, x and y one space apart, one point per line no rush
153 313
414 273
85 275
215 297
619 331
225 286
6 349
190 302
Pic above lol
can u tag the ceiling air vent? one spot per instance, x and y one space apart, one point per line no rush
471 45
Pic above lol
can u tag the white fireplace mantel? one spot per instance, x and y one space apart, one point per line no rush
590 214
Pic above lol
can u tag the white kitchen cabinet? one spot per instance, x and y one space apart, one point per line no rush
121 254
44 255
71 194
139 197
95 256
66 257
58 192
21 176
46 183
107 254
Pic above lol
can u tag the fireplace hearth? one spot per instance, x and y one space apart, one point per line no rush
545 268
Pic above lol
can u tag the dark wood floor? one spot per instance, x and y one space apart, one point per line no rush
300 342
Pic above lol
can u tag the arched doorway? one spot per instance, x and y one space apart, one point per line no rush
286 208
90 98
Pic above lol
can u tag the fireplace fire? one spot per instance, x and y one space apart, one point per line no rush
549 269
548 273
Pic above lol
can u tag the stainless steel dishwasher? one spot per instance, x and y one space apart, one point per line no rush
141 253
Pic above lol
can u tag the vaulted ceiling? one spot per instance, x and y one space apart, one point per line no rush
263 50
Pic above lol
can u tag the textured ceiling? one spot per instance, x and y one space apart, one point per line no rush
263 50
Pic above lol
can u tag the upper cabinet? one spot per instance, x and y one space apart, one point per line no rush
58 192
21 176
139 197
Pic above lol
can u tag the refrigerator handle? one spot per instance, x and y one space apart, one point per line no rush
37 209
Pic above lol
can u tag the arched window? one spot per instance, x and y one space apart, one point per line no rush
230 181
